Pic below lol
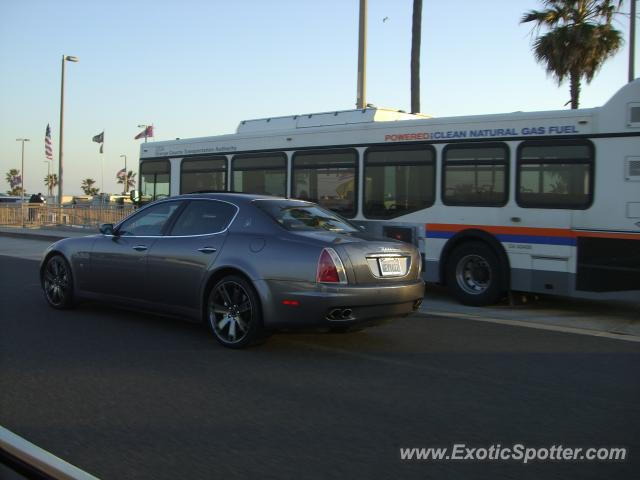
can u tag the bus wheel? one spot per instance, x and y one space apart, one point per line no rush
474 275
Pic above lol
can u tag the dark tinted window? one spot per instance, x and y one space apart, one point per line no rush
203 216
155 179
262 174
298 216
201 174
328 178
475 175
150 221
555 174
398 180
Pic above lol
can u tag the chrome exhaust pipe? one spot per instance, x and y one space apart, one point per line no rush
335 314
346 313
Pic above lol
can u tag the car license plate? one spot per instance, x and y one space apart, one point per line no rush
393 266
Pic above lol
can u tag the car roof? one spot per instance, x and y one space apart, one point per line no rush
236 197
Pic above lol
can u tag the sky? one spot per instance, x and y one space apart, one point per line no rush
197 68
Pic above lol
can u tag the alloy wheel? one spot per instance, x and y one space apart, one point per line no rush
57 282
230 312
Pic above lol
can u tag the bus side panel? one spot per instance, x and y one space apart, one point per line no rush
606 263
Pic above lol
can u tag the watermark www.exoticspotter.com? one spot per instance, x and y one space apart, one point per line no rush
461 452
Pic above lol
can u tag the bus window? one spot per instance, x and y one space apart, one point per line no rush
475 175
264 174
398 180
200 174
327 177
556 174
155 178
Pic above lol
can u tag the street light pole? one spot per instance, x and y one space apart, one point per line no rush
67 58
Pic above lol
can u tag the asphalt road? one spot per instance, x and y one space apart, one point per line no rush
131 395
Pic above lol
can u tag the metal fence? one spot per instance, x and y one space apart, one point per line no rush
38 214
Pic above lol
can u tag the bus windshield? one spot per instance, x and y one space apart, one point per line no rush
304 216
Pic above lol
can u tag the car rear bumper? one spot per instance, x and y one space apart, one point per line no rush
293 305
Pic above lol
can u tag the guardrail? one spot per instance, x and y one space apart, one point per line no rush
43 215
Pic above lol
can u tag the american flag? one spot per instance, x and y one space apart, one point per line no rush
48 146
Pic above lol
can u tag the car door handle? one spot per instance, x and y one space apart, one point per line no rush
140 248
207 250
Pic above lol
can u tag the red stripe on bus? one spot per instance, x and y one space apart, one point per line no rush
543 232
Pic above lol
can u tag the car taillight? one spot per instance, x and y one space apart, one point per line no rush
330 268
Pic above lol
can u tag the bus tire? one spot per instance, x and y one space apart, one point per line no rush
474 274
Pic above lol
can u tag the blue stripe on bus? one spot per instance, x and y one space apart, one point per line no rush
540 240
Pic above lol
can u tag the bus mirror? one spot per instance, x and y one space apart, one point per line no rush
134 195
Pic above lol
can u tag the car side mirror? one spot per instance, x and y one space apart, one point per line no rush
107 229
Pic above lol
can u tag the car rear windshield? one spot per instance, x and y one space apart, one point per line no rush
304 216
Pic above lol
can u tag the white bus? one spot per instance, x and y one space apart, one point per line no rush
545 202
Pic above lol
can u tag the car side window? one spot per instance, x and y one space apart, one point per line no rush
203 217
150 221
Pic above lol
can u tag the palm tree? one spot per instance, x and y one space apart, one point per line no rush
14 179
579 40
51 182
416 38
88 188
130 181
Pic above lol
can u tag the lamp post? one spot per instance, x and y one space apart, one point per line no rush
126 177
65 58
22 179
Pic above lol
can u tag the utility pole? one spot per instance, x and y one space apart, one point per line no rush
362 57
416 39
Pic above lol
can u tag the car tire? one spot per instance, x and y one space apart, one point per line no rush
233 313
474 274
57 283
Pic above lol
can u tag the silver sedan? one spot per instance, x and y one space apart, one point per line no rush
246 265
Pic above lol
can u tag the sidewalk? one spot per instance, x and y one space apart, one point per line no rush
619 316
